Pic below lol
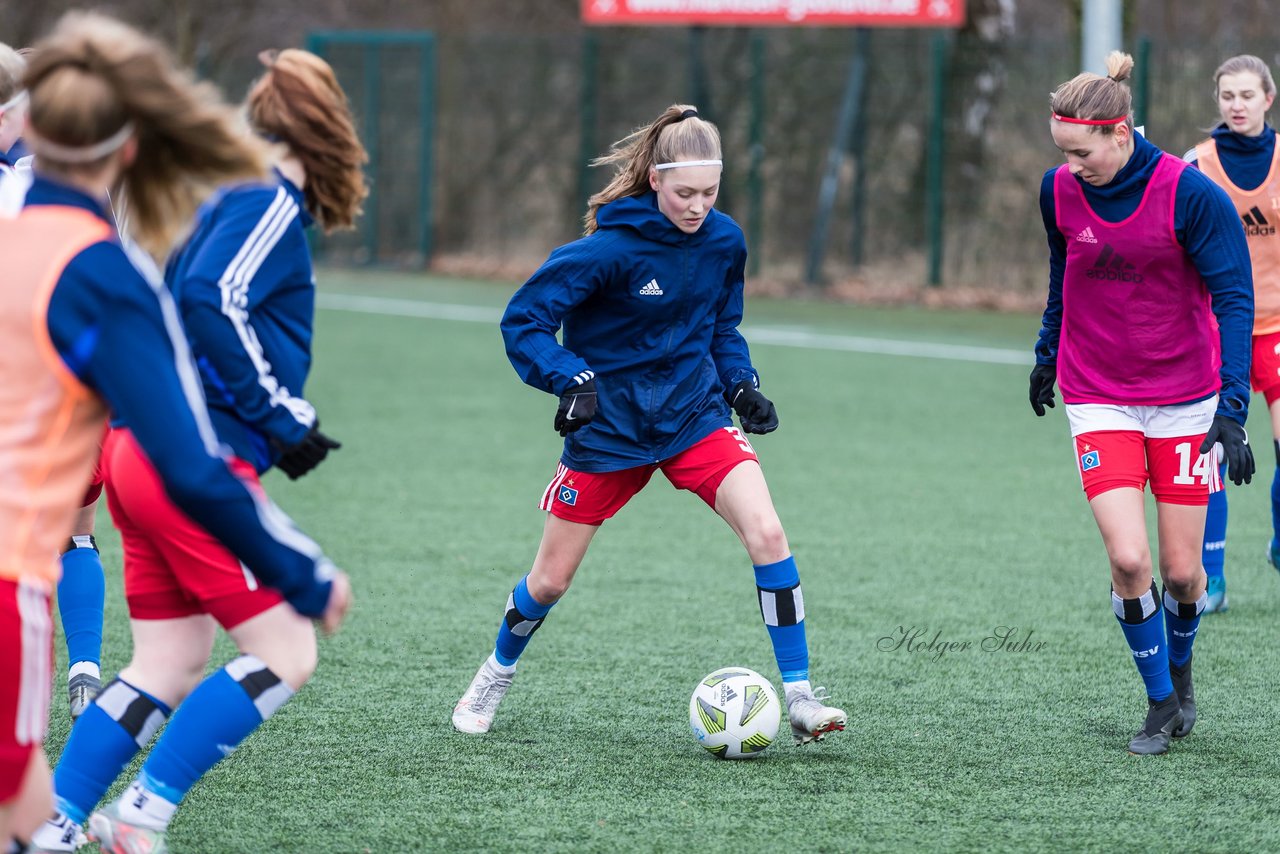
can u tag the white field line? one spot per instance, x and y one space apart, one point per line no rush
775 336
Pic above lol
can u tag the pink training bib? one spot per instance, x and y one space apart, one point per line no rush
1137 327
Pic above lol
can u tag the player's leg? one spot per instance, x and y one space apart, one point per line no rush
26 665
169 656
722 469
577 504
1273 548
81 596
1113 471
564 545
742 499
1264 376
1213 551
278 649
1183 482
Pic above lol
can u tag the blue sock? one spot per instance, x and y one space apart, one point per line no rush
1181 622
1275 497
1214 552
523 616
1142 622
782 606
219 714
119 723
81 594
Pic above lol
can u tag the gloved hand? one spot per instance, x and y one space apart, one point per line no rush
1235 448
1042 379
298 459
577 408
755 411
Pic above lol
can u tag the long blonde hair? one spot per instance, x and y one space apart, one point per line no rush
299 102
93 78
1092 96
678 134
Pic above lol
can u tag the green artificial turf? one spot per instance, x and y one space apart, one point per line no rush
919 496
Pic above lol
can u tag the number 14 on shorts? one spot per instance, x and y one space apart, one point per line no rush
1174 466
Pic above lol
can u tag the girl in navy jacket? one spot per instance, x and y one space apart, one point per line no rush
651 366
243 283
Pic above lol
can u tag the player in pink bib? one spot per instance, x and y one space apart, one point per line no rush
1147 332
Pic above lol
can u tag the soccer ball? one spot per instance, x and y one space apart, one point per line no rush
734 713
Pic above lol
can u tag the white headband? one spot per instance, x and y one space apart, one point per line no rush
15 101
80 154
680 163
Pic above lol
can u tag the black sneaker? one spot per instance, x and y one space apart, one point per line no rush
1163 718
1186 694
81 689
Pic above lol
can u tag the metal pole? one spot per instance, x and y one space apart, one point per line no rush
845 122
1101 31
935 163
426 165
858 151
587 109
755 179
1142 83
372 87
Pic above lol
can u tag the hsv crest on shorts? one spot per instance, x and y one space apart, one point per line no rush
1090 460
567 495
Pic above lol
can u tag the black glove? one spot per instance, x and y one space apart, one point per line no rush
577 408
1042 379
755 411
1235 448
298 459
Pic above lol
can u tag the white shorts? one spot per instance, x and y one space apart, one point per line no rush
1154 422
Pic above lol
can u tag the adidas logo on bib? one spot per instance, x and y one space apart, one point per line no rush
1086 236
651 289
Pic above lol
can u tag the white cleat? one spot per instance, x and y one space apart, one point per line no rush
117 836
57 835
474 712
811 719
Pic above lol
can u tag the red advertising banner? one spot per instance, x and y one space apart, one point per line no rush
776 13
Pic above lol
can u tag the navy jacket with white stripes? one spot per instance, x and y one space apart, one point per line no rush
651 314
121 336
244 284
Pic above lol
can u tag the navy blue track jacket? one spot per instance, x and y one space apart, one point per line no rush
121 336
650 313
245 286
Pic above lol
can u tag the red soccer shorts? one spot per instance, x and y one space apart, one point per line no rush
173 567
591 497
26 674
95 485
1178 472
1264 370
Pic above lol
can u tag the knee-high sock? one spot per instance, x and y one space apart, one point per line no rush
523 616
209 725
81 593
119 723
1214 552
1142 621
1181 622
782 606
1275 497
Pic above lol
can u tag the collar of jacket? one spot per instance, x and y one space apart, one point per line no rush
641 214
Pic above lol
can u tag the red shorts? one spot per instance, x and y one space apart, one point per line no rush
95 485
1264 369
173 567
591 497
26 678
1178 472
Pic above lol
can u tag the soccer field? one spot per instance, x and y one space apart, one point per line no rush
922 499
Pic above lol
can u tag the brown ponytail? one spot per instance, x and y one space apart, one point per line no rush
299 102
92 78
